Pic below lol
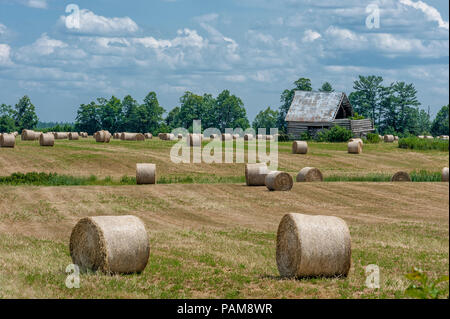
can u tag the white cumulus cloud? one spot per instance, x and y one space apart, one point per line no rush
310 36
430 12
5 51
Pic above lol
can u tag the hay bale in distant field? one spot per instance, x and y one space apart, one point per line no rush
160 135
236 136
7 140
84 135
248 137
354 147
255 174
396 138
145 173
309 174
313 246
102 136
47 139
213 136
299 147
148 136
259 137
73 136
445 174
111 244
30 135
140 137
170 137
116 136
429 137
269 137
125 136
61 135
401 177
279 181
194 140
389 138
227 137
421 136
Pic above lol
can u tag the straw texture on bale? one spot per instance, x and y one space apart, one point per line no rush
194 140
227 137
30 135
279 181
357 140
61 135
389 138
102 136
354 147
445 174
255 174
248 137
125 136
309 174
313 246
299 147
73 136
15 134
148 136
7 140
140 137
111 244
145 173
84 135
47 139
401 177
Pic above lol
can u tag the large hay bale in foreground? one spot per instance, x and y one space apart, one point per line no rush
102 136
248 137
145 173
47 139
354 147
7 140
445 174
309 174
401 177
279 181
299 147
389 138
73 136
111 244
255 174
357 139
313 246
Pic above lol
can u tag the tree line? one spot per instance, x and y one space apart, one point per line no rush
394 108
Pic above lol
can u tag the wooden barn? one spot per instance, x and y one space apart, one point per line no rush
313 111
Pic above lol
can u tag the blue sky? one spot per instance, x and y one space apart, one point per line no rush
254 48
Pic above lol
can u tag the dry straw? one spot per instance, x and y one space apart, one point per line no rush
309 174
7 140
30 135
102 136
401 177
255 174
145 173
61 135
299 147
389 138
279 181
73 136
47 139
313 246
111 244
354 147
445 174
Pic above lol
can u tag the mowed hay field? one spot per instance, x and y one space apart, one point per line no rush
218 240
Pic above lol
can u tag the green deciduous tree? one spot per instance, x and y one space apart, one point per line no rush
366 100
25 114
326 87
440 123
7 122
265 119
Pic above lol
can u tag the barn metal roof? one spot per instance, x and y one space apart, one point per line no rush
310 106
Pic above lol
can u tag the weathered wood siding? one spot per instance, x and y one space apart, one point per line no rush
358 127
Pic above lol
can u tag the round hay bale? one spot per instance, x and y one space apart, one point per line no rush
29 135
389 138
148 136
84 135
269 137
7 140
15 134
61 135
395 138
259 137
421 136
140 137
160 136
227 137
248 137
47 139
145 173
73 136
194 140
236 136
445 174
111 244
116 136
170 137
401 177
313 246
128 136
213 136
357 140
429 137
279 181
255 174
102 136
299 147
354 147
309 174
